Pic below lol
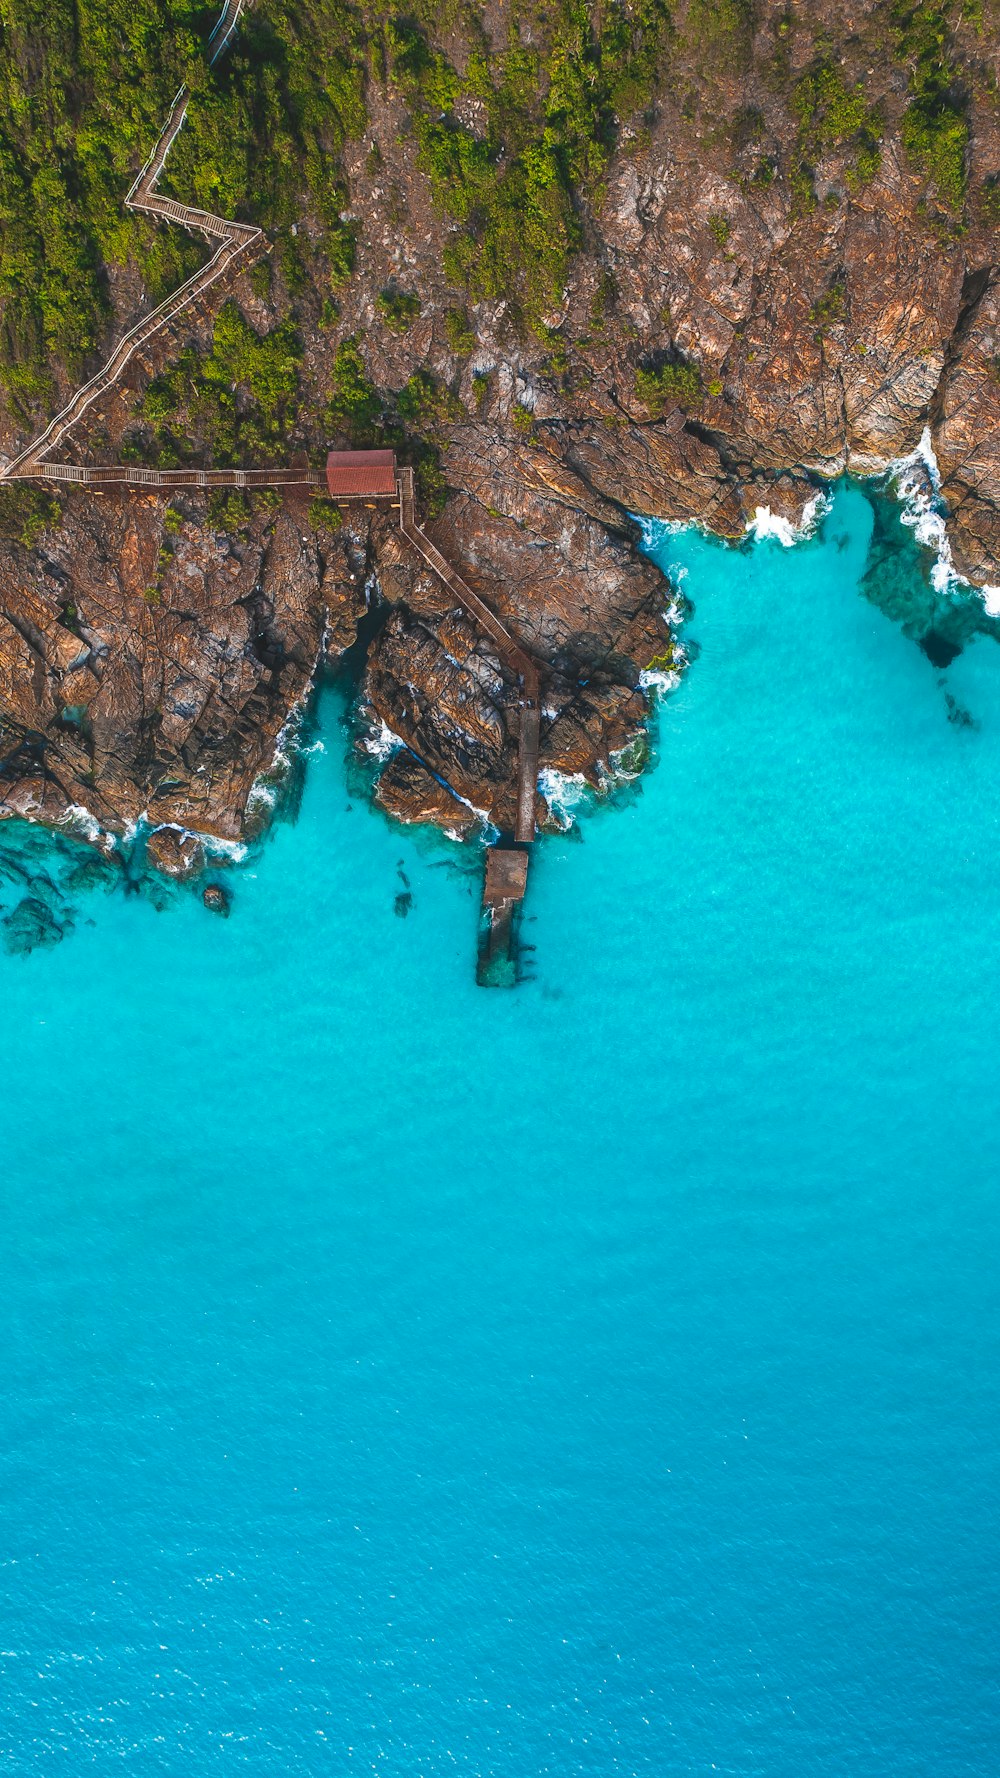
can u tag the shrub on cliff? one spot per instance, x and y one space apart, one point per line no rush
199 395
26 512
398 309
354 401
676 384
937 137
832 115
551 115
84 88
934 130
458 333
426 403
268 364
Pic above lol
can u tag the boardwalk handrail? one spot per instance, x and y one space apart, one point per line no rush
235 238
508 647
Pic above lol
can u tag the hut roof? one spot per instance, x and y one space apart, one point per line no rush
361 474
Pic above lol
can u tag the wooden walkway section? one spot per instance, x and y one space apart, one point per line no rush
235 241
164 481
508 648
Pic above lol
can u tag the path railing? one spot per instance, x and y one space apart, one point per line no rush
508 648
235 240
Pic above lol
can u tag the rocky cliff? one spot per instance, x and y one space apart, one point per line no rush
779 268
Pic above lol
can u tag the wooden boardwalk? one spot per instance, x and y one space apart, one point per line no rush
508 648
164 481
511 652
236 241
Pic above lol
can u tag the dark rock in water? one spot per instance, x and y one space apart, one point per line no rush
403 903
939 649
31 924
97 872
961 718
174 852
216 899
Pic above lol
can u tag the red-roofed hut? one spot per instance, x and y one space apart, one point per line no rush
361 475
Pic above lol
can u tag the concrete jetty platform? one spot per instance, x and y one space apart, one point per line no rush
503 896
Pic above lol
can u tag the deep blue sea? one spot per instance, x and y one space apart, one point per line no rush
596 1378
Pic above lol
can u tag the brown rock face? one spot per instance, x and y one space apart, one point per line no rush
141 681
831 309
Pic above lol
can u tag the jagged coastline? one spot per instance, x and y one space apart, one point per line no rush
754 306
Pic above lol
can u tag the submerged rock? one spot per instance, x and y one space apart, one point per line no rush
31 924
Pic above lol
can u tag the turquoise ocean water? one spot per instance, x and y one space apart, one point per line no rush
599 1378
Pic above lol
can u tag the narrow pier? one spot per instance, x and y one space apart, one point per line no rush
508 648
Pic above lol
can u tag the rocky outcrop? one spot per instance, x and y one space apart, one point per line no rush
145 680
832 312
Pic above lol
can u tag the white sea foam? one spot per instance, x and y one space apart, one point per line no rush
78 820
563 793
214 847
288 746
917 481
766 523
660 681
652 530
488 832
261 796
234 851
380 741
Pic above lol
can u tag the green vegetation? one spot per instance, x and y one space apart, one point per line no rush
829 308
675 384
459 334
989 201
84 88
267 365
240 397
605 297
26 512
324 514
935 131
830 116
552 115
722 26
718 224
228 509
398 309
426 404
262 279
354 403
